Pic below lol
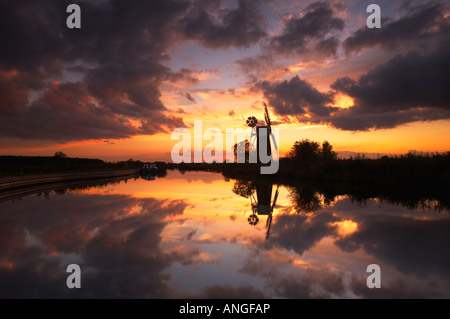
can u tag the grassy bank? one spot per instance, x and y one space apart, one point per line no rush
36 165
407 168
415 169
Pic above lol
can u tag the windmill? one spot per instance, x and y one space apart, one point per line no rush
263 205
261 132
251 122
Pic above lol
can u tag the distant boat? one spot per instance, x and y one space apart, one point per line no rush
149 170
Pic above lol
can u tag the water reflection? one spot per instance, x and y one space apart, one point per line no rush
188 235
260 194
115 239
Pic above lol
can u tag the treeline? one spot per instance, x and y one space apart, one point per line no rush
60 163
309 160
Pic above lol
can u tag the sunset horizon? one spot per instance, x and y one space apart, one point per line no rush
323 73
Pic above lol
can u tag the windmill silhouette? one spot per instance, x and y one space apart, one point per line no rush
259 132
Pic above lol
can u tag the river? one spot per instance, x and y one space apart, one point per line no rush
194 234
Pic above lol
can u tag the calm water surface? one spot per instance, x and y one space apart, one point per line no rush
194 235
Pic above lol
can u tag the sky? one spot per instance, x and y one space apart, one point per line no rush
135 71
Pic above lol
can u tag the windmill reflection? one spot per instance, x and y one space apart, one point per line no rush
260 195
262 205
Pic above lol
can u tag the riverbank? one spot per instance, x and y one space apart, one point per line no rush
12 166
8 184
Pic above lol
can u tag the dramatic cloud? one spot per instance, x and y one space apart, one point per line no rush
115 61
296 97
312 30
104 81
307 37
419 24
240 27
407 88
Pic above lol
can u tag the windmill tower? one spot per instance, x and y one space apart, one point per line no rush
260 133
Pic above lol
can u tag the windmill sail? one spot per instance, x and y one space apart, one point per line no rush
269 125
269 218
267 117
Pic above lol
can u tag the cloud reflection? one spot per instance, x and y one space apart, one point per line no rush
131 247
115 239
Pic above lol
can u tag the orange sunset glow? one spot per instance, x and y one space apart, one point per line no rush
322 84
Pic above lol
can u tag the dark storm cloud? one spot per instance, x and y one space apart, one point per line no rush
117 54
114 238
418 25
311 36
357 119
296 97
240 27
310 31
406 81
407 88
68 110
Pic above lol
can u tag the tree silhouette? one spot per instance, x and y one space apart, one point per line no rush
238 148
60 154
306 152
327 152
